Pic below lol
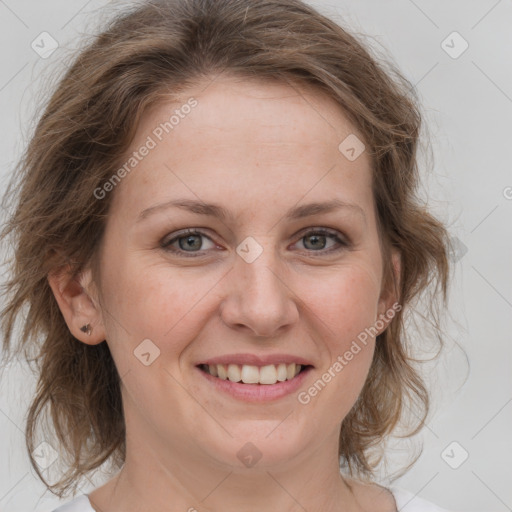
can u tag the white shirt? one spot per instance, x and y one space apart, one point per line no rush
406 502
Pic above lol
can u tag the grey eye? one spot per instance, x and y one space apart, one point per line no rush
317 241
190 242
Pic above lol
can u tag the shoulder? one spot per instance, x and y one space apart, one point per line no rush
375 497
405 500
409 502
79 504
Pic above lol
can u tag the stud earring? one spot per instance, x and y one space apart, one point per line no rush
87 329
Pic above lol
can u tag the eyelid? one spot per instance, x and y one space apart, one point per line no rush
337 236
323 230
342 240
166 242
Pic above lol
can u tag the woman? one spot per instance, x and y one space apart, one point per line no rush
218 239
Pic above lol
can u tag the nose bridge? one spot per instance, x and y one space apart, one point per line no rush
261 274
259 297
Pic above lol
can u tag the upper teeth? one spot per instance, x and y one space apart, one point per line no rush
249 374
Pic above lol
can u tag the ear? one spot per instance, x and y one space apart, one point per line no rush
388 304
77 300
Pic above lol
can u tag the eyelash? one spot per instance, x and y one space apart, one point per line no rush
166 245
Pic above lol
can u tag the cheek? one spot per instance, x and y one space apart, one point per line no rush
345 300
152 301
344 311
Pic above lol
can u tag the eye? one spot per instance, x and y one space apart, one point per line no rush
189 241
316 240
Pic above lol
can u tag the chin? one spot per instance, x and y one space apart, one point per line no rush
258 445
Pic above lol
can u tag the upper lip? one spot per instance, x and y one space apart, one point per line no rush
256 360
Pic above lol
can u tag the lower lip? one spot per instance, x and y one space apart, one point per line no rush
257 392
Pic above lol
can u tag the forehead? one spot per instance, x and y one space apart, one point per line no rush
273 112
244 138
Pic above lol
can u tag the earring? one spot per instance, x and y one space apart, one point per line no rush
87 329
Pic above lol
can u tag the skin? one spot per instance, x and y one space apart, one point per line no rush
258 149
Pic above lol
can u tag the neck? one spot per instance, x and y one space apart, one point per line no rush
177 478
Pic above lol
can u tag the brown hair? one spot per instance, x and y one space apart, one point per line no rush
156 49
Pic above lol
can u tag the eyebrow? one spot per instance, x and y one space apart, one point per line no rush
215 210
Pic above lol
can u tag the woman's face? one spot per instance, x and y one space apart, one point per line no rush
263 280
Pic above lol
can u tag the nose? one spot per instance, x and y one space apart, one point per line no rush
259 300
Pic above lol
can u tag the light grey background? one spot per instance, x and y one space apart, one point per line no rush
468 107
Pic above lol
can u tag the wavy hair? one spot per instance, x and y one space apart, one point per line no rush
154 50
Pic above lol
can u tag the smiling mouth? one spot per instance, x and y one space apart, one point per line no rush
256 375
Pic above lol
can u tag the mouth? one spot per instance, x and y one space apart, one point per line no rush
255 384
267 375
